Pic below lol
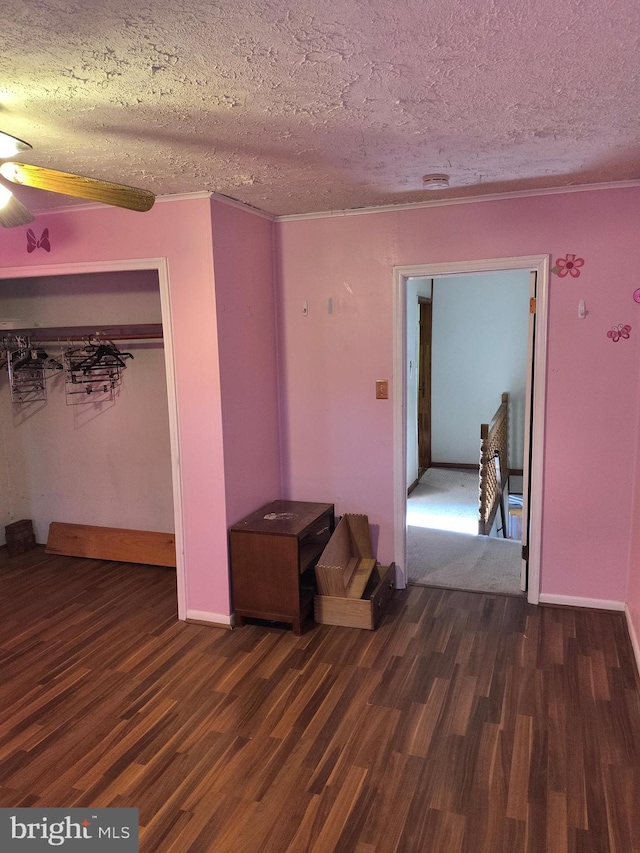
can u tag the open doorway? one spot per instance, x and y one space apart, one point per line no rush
460 468
470 374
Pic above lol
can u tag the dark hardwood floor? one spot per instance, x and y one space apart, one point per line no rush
467 722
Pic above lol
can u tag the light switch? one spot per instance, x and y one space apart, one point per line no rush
382 389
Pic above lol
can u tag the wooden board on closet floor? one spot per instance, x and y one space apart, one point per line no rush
112 543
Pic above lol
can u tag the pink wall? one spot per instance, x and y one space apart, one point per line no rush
245 306
181 232
633 592
338 440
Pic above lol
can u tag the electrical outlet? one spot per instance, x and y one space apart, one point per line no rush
382 389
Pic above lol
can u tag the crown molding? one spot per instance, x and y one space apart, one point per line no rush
447 202
162 199
95 205
183 196
356 211
241 205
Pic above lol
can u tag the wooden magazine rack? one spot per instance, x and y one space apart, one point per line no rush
354 591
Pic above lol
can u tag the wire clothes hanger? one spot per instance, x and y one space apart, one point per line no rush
34 359
102 355
97 354
26 363
93 369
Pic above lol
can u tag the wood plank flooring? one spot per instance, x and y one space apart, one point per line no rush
467 722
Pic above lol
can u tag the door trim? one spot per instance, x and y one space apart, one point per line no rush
539 263
528 443
426 330
161 267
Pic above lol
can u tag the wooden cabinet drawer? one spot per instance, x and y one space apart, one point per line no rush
314 541
365 612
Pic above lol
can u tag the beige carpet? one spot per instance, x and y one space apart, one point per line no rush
442 549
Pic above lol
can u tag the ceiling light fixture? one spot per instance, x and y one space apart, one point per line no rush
435 182
5 196
11 145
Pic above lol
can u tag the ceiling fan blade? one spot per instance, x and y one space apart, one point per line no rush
78 186
14 213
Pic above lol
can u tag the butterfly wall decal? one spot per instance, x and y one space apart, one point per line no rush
618 332
33 243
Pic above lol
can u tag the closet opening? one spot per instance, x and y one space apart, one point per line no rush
101 451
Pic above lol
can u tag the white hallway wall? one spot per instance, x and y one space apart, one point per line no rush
107 464
480 327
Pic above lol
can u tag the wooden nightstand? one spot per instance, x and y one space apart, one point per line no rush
273 553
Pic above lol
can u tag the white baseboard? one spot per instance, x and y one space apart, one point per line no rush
576 601
218 620
598 604
634 638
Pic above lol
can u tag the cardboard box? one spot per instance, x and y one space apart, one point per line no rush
18 530
20 546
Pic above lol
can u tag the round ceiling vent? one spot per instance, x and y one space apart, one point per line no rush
435 182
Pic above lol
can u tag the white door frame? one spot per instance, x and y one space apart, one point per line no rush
161 267
539 263
528 444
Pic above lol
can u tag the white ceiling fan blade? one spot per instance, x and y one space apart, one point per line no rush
12 212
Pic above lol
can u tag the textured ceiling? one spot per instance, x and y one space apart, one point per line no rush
311 105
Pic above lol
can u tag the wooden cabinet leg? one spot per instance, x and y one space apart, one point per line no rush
297 627
238 621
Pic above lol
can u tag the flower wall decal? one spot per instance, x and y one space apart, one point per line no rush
569 265
618 332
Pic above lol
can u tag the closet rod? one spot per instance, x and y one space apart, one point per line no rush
132 332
